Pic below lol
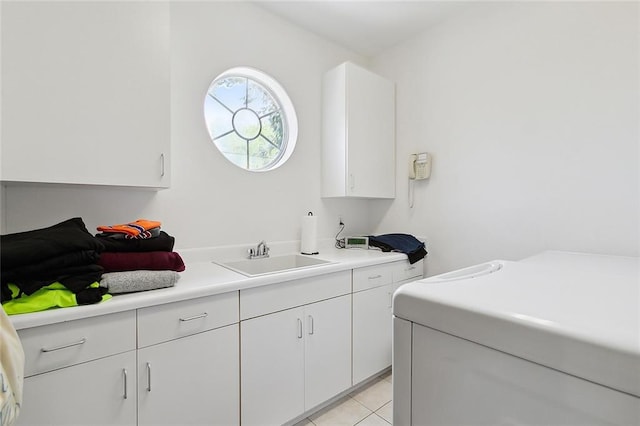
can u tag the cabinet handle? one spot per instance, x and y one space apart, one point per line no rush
57 348
310 324
5 388
124 376
390 299
352 181
148 377
162 164
299 328
203 315
375 277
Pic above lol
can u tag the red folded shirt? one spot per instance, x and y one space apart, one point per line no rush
151 261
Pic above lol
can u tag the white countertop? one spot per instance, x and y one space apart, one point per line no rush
577 313
203 277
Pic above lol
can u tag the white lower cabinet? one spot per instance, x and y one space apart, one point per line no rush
188 362
190 381
372 314
294 360
258 356
272 368
171 364
80 372
100 392
372 326
327 350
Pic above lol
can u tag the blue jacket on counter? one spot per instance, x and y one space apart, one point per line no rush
403 243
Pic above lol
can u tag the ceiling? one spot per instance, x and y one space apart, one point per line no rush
366 27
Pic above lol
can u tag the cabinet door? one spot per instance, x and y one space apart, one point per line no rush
193 380
370 134
327 349
90 109
358 134
94 393
272 368
371 331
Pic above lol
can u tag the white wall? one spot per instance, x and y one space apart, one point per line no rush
530 110
211 202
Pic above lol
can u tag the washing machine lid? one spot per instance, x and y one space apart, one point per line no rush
577 313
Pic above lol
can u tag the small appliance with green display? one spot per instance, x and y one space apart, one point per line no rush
356 242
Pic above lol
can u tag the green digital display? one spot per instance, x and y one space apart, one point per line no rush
357 240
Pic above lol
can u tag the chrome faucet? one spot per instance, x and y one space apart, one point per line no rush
261 250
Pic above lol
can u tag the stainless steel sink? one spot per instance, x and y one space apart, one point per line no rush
272 265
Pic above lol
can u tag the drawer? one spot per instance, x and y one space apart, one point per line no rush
277 297
54 346
405 271
170 321
373 276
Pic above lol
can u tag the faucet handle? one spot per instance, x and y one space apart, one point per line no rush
261 250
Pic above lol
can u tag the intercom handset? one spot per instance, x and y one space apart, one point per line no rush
419 166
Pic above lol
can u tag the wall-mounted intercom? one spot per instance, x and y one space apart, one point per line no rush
419 166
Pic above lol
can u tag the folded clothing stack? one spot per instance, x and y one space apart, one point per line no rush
50 267
138 256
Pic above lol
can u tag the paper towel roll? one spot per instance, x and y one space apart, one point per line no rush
309 237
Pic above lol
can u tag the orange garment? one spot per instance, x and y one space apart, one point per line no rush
133 228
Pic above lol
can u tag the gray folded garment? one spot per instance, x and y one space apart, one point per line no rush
130 281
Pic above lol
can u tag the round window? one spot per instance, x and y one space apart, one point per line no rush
250 119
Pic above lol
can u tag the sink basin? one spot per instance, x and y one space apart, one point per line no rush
272 265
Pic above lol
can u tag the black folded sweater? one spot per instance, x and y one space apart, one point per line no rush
65 253
61 265
163 242
30 247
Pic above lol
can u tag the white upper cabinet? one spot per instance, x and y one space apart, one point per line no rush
86 93
358 134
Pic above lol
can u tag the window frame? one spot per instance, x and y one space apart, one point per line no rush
286 111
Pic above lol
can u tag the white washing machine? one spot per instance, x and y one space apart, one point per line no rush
550 340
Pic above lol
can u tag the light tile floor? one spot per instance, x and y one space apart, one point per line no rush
368 406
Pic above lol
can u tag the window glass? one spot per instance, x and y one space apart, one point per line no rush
250 119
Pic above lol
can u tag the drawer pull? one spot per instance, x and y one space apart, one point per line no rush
410 268
375 277
57 348
148 377
195 317
124 376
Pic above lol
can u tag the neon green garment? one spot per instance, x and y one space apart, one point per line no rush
54 295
